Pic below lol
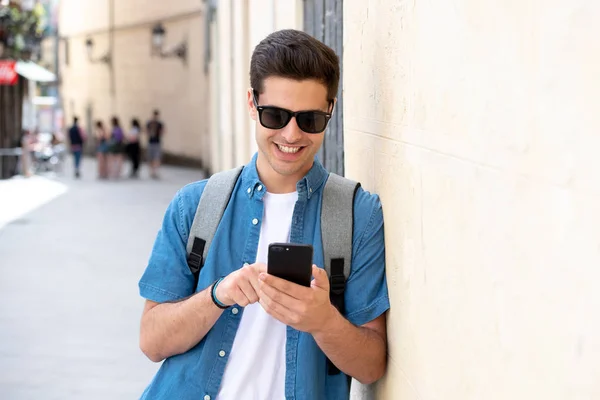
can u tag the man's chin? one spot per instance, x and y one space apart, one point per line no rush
287 168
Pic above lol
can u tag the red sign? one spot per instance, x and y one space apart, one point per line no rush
8 75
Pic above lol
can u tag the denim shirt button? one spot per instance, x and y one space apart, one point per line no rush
207 397
254 221
222 353
259 188
234 311
249 190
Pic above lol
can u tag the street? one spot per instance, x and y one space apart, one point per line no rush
71 255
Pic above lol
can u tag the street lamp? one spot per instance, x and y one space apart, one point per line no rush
158 36
158 39
89 46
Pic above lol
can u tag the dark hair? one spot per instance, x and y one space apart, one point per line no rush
135 123
155 113
99 124
75 120
295 55
115 121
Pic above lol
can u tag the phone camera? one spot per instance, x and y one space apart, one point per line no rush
287 249
277 249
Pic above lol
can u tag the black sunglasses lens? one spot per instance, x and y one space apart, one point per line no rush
274 118
311 122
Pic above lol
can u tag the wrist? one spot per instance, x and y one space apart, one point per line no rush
330 321
214 296
221 293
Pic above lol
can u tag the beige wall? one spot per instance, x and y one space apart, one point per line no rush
239 26
141 83
478 123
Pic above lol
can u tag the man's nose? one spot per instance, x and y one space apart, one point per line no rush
291 132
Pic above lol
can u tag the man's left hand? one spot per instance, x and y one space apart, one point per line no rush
306 309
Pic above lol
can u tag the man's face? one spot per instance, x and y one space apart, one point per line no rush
288 151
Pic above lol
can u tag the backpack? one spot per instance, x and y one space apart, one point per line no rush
337 217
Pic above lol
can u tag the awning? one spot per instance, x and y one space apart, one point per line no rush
34 72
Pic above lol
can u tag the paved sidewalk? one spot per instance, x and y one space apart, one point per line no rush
71 254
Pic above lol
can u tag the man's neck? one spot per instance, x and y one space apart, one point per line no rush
277 183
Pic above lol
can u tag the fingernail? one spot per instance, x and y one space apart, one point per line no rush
262 276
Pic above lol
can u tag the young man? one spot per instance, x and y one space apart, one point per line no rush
274 337
155 129
76 139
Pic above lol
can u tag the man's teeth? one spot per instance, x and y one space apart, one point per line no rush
286 149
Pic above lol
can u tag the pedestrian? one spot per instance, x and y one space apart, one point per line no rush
133 147
155 129
102 140
239 332
116 149
76 140
27 142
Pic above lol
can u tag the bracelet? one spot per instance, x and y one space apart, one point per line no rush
213 295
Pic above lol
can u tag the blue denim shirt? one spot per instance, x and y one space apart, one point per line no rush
197 373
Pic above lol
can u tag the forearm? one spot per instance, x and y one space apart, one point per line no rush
173 328
357 351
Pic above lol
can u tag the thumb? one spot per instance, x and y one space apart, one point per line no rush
321 279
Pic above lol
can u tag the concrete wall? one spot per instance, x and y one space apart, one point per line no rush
141 82
239 26
477 122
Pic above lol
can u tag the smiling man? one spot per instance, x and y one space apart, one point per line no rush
238 332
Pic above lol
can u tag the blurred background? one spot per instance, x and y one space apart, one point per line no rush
476 122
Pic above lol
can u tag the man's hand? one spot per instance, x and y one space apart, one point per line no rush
306 309
241 286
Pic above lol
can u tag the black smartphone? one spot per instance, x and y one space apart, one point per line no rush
291 261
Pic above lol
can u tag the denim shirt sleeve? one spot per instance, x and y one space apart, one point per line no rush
167 276
366 289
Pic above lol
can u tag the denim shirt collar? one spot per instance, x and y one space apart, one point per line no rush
310 184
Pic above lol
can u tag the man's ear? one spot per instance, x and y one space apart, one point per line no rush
332 105
250 102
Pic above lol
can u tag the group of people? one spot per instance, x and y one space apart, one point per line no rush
115 144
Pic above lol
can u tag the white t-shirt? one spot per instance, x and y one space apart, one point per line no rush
256 365
134 134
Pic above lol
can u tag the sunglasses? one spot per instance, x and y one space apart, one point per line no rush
272 117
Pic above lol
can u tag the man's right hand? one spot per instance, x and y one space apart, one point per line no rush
172 328
241 286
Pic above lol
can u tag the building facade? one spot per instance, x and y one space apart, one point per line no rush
123 74
477 123
235 29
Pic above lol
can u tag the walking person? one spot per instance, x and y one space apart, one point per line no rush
102 140
225 327
133 146
116 149
76 140
155 129
27 165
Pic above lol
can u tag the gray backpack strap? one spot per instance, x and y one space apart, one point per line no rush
337 224
211 207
